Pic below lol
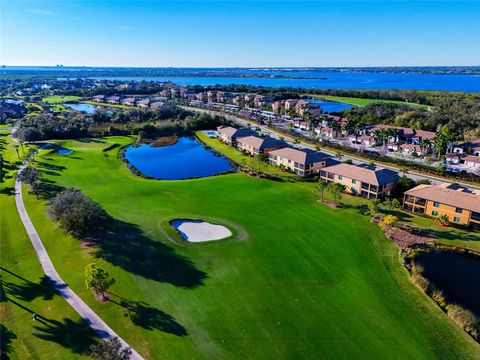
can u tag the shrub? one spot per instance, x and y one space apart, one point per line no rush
465 319
421 282
77 213
388 220
439 298
443 219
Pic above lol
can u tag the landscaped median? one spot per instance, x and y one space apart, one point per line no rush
306 280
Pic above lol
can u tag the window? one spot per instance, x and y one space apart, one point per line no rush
459 210
436 204
434 213
354 181
340 177
456 219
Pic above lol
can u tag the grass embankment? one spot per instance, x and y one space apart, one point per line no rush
305 280
365 102
56 101
238 157
58 333
118 106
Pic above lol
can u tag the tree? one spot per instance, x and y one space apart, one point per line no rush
373 207
98 279
336 190
28 175
320 189
77 213
110 349
402 184
260 161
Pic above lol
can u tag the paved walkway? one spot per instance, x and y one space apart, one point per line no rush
90 317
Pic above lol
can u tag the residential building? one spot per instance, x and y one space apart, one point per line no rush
229 134
412 150
256 145
130 101
302 162
461 205
211 95
99 98
290 104
113 99
144 103
156 104
249 98
277 106
361 180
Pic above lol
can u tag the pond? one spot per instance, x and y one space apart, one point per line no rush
88 109
456 275
332 106
185 159
65 151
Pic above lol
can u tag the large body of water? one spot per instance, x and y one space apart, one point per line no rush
185 159
337 80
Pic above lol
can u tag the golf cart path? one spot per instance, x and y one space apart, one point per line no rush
88 315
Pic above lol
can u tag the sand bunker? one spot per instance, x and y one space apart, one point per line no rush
198 231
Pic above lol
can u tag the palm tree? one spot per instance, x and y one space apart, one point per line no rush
320 189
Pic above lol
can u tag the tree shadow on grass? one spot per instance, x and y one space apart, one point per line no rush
50 189
29 290
150 318
126 246
6 337
74 335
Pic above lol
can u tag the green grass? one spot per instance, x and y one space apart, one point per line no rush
364 102
56 101
238 157
303 280
118 106
59 333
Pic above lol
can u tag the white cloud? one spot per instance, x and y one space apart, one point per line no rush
41 11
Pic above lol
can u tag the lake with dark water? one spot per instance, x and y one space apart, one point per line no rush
335 80
185 159
455 274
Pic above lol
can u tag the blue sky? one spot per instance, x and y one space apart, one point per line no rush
247 33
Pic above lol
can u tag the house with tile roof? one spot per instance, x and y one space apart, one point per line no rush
361 180
460 204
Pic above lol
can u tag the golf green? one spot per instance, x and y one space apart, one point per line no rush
299 280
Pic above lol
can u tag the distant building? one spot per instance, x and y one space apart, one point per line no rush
144 103
99 98
461 205
130 101
113 99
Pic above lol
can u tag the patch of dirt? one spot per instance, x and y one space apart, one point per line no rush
405 236
164 141
99 297
330 204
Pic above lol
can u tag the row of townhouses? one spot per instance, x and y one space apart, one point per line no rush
154 102
461 205
364 181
